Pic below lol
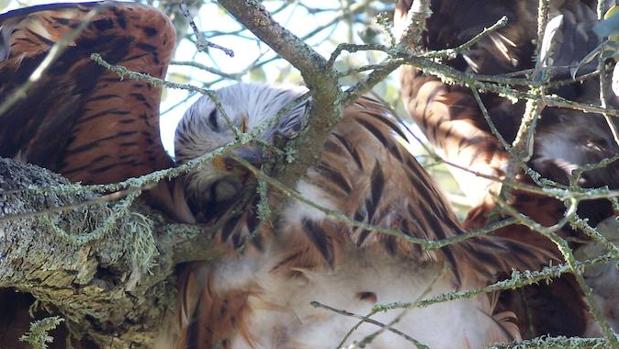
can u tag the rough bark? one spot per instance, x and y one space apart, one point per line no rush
113 286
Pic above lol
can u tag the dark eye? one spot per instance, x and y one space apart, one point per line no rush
598 144
212 120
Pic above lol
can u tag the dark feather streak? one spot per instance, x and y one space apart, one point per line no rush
318 236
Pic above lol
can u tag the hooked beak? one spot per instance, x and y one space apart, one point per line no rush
228 162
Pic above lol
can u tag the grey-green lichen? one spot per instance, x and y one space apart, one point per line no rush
38 336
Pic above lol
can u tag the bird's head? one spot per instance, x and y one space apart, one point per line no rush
571 140
258 116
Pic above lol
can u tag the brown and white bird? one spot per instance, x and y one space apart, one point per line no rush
84 122
306 255
452 120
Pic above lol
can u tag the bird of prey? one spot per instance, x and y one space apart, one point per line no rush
453 120
306 255
275 278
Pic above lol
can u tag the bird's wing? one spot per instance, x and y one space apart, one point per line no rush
73 116
77 118
370 130
449 115
452 120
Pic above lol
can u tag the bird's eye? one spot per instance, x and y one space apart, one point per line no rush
212 120
598 144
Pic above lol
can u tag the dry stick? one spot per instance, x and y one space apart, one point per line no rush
369 338
581 224
522 147
123 72
537 177
500 86
325 112
415 25
354 9
542 20
513 184
604 99
544 70
347 47
603 84
517 280
233 76
353 329
486 115
337 216
453 52
376 76
370 321
202 44
177 104
568 255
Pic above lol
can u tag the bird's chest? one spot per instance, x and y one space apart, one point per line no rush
323 308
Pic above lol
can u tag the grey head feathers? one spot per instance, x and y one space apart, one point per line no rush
203 128
252 109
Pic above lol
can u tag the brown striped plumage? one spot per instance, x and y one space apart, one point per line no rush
261 297
91 126
451 118
79 119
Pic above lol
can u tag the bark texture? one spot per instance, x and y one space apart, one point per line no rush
110 279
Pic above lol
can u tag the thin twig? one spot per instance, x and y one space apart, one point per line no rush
202 44
370 321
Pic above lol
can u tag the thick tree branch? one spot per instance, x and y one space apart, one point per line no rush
319 77
256 18
118 284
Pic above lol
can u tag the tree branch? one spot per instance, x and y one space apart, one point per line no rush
122 275
320 79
